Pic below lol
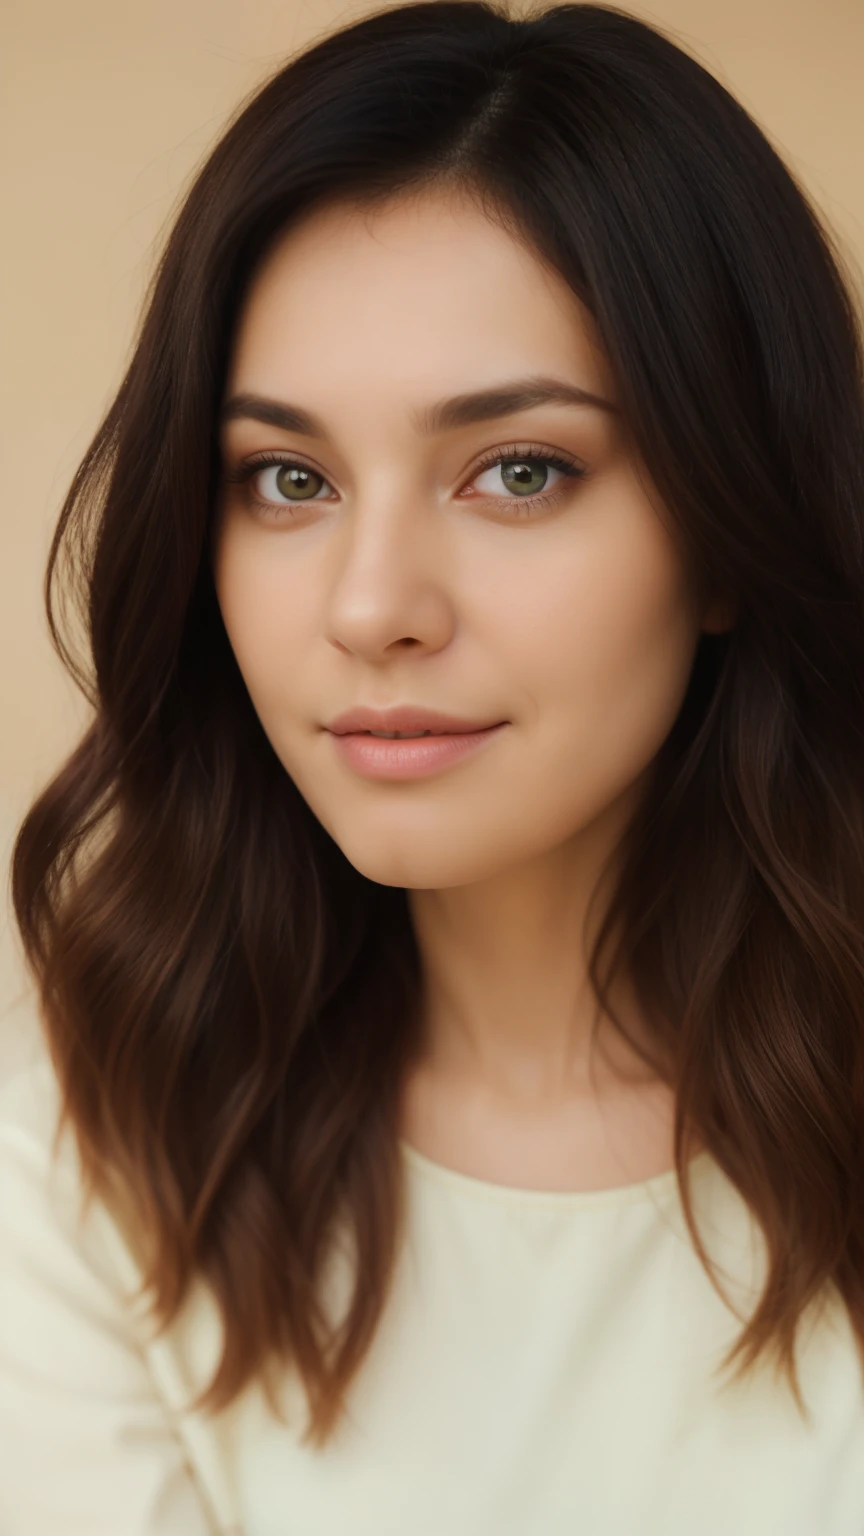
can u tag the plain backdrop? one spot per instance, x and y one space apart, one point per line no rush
107 108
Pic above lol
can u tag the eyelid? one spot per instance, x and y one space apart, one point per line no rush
266 456
531 451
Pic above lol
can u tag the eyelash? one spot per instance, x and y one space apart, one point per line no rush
535 453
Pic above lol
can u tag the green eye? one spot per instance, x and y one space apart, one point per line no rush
527 477
296 482
279 484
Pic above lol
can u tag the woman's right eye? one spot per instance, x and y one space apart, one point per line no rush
284 483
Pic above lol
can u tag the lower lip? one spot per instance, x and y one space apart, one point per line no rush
377 758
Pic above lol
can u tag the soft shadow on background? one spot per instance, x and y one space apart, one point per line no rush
106 109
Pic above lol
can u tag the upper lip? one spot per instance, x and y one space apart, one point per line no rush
404 717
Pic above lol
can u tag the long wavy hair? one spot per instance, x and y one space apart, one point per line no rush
229 1004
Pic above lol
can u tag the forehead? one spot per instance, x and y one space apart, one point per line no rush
429 289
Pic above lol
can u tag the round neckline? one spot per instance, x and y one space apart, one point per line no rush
659 1185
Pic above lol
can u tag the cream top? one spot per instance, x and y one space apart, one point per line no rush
543 1368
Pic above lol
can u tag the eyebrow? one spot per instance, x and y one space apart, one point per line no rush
446 415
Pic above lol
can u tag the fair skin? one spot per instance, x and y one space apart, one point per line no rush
410 575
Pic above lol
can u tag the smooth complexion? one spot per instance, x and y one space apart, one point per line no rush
397 570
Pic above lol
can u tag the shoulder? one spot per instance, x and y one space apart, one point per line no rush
46 1226
29 1105
30 1151
78 1393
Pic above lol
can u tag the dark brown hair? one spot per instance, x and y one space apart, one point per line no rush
229 1004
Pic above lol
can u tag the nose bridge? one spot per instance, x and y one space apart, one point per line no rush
389 519
388 575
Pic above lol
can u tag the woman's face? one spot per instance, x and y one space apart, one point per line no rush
399 564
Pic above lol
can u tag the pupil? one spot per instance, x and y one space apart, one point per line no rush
519 476
292 477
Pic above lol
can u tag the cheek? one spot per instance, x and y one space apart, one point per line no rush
264 616
606 656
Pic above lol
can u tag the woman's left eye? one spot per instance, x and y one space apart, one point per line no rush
526 476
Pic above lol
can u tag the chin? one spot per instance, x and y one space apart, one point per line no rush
417 868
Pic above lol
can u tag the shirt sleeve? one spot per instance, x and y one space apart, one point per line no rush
87 1445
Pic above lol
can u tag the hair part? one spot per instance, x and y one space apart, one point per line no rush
229 1004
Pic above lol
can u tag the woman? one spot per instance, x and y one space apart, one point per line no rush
466 1134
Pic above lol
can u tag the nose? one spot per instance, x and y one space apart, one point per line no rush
390 583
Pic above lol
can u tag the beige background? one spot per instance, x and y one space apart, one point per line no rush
107 108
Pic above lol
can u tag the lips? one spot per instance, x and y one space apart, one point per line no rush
420 757
406 717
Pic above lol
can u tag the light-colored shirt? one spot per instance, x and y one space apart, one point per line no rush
543 1368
